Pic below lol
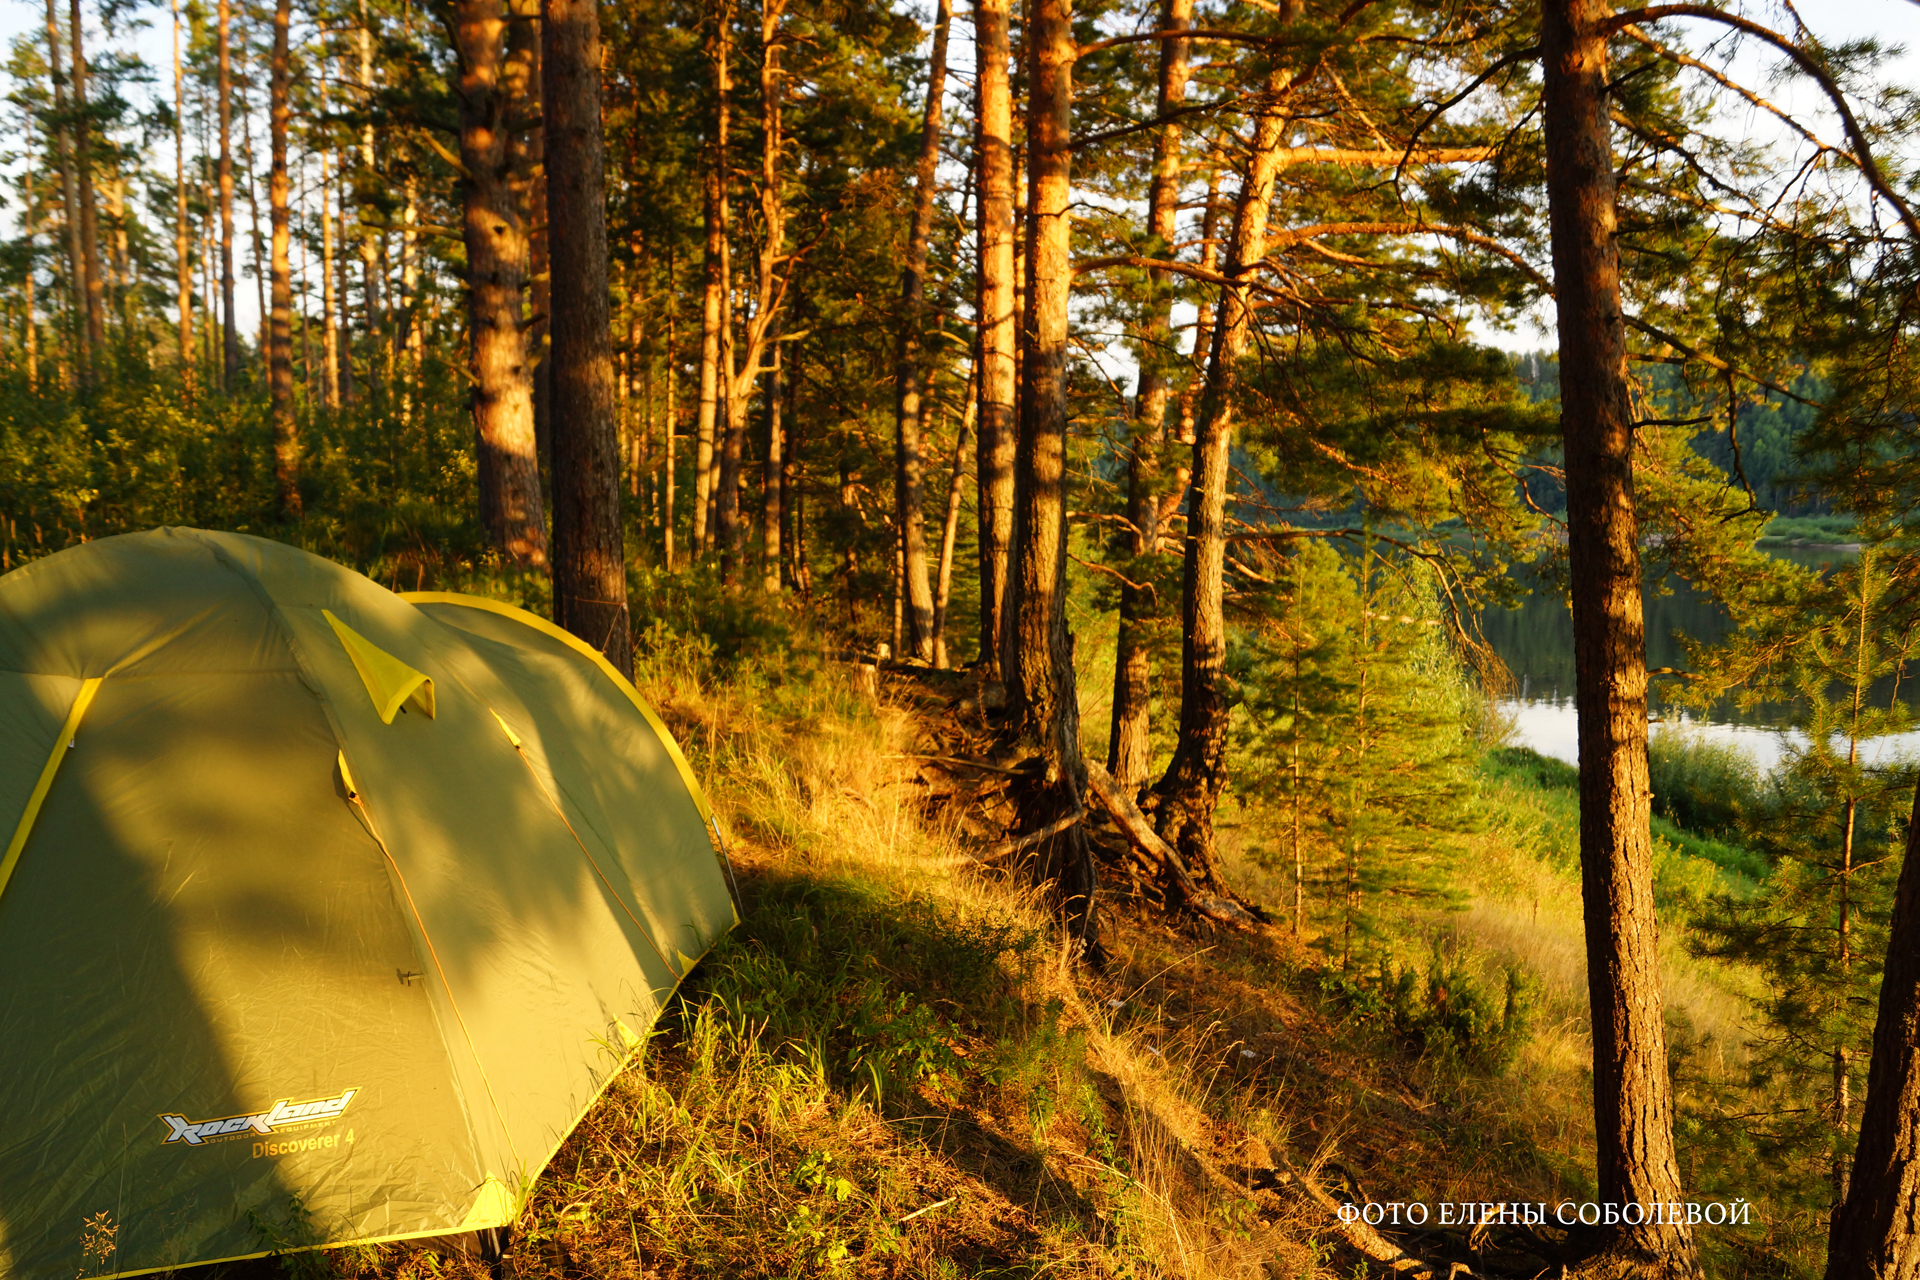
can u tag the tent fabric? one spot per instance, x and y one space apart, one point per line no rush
293 952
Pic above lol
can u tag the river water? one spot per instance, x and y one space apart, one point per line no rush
1536 643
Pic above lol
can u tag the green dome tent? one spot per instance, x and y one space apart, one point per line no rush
325 913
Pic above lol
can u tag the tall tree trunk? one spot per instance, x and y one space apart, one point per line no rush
589 554
372 295
715 283
1191 786
260 268
286 432
93 286
950 528
69 195
229 321
495 66
349 389
182 235
908 481
1037 656
1129 754
770 497
994 211
769 296
672 426
1632 1098
329 331
1876 1231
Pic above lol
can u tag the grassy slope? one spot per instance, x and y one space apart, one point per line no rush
891 1070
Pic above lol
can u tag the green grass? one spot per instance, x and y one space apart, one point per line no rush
1811 530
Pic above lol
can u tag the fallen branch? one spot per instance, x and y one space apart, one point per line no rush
1006 848
1365 1238
1140 833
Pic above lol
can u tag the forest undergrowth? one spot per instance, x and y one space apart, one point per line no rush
891 1068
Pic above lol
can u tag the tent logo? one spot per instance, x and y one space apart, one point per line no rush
285 1113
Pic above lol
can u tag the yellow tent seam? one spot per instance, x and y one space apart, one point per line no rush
359 801
554 800
599 659
60 747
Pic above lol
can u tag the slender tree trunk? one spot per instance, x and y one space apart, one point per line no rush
1037 648
372 296
1129 754
994 211
908 480
667 478
69 196
92 285
589 556
714 266
1633 1104
329 332
769 296
182 233
770 498
1876 1231
286 431
230 325
950 528
495 67
1191 786
260 268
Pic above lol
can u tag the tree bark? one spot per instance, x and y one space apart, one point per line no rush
1876 1231
69 196
589 555
771 500
93 286
1633 1105
1129 753
329 303
229 322
372 294
995 419
950 528
908 479
769 296
286 432
182 235
1191 786
714 265
1043 701
496 57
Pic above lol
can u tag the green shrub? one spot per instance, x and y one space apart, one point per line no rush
1444 1013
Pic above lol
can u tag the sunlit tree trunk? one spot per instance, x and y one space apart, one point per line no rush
69 194
372 294
995 420
229 322
589 555
1191 786
92 286
286 431
771 500
769 296
1632 1098
908 482
329 330
182 234
950 527
1129 755
715 283
1876 1231
1037 648
495 67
